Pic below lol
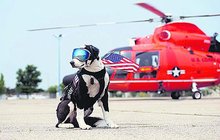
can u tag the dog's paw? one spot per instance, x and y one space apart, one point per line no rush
101 124
111 124
85 127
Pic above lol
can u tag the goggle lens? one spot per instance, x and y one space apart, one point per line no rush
81 54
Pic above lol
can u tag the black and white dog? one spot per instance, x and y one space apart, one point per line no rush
88 85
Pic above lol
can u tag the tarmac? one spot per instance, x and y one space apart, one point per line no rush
138 119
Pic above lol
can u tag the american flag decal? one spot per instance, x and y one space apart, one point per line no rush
117 61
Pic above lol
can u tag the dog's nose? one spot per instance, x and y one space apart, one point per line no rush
72 63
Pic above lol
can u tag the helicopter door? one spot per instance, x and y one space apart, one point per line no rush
149 64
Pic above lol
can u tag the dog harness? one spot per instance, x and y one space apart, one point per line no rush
77 90
94 78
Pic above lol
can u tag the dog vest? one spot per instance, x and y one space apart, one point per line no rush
77 90
99 76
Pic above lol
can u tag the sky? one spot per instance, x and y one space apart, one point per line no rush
19 47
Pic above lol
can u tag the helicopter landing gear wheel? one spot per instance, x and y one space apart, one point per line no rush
175 95
197 95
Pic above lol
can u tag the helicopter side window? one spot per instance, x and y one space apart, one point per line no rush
215 43
148 62
147 59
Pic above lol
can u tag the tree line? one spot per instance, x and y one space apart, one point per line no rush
28 81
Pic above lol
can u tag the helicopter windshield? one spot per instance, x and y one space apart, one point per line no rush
218 38
124 51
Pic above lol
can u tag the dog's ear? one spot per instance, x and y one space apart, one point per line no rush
94 52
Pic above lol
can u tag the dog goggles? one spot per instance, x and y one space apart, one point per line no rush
81 54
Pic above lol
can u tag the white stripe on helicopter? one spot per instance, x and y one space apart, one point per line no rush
156 81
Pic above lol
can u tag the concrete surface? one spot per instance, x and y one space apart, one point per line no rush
145 118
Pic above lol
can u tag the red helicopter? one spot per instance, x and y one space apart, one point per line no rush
177 57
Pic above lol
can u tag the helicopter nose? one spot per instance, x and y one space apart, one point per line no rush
72 63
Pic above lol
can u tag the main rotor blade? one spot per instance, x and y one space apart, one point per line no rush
152 9
197 16
89 25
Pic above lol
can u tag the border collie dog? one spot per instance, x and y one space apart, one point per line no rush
88 86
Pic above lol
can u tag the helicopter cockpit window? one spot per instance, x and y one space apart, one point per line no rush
218 38
149 63
215 43
126 54
119 74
